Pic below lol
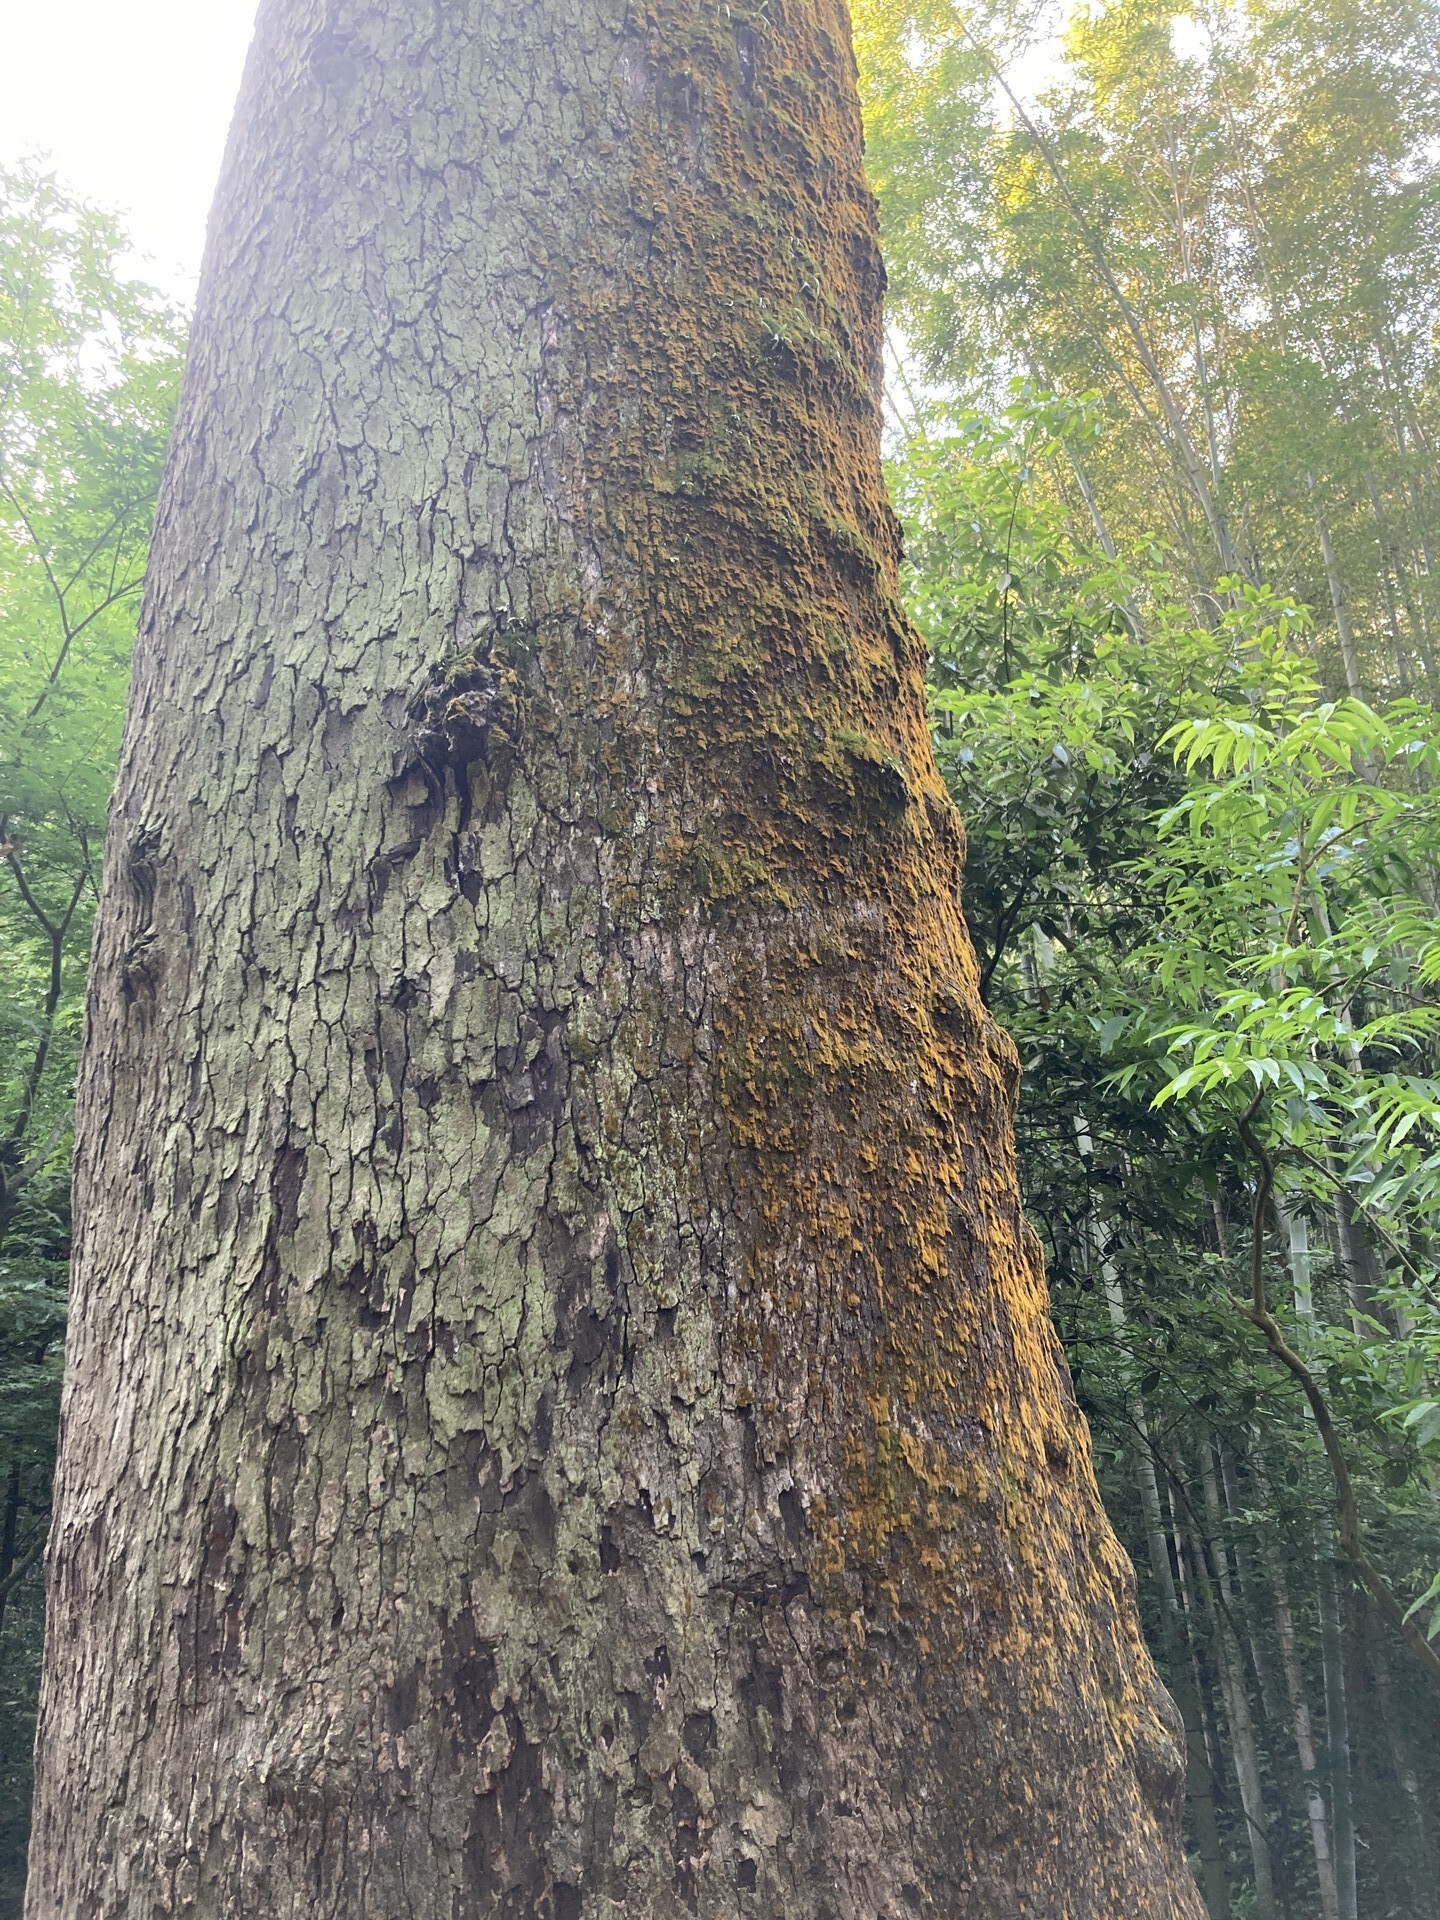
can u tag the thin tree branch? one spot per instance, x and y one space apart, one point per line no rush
56 931
18 1572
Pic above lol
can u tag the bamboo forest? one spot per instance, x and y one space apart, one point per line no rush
1162 428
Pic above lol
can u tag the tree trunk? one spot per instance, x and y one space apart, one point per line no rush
562 1418
1202 1693
1339 606
1177 1660
1337 1720
1362 1280
1337 1725
1424 1891
1230 1663
1250 1591
1300 1721
1238 1735
9 1531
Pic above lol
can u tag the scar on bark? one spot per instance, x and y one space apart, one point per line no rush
140 960
468 709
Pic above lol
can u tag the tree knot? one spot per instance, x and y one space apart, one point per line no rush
466 711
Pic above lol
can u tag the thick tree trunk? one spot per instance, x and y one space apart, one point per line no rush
562 1418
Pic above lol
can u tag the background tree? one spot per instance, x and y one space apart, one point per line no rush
1206 254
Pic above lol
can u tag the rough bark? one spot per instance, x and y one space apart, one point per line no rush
562 1418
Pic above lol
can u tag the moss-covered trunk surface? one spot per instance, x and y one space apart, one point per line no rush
562 1419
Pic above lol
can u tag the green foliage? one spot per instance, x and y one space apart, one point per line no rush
1217 227
1201 885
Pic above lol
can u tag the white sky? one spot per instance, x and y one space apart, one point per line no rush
130 100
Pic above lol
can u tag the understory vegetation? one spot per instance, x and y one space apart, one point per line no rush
1164 417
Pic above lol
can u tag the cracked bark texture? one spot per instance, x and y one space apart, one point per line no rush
561 1416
